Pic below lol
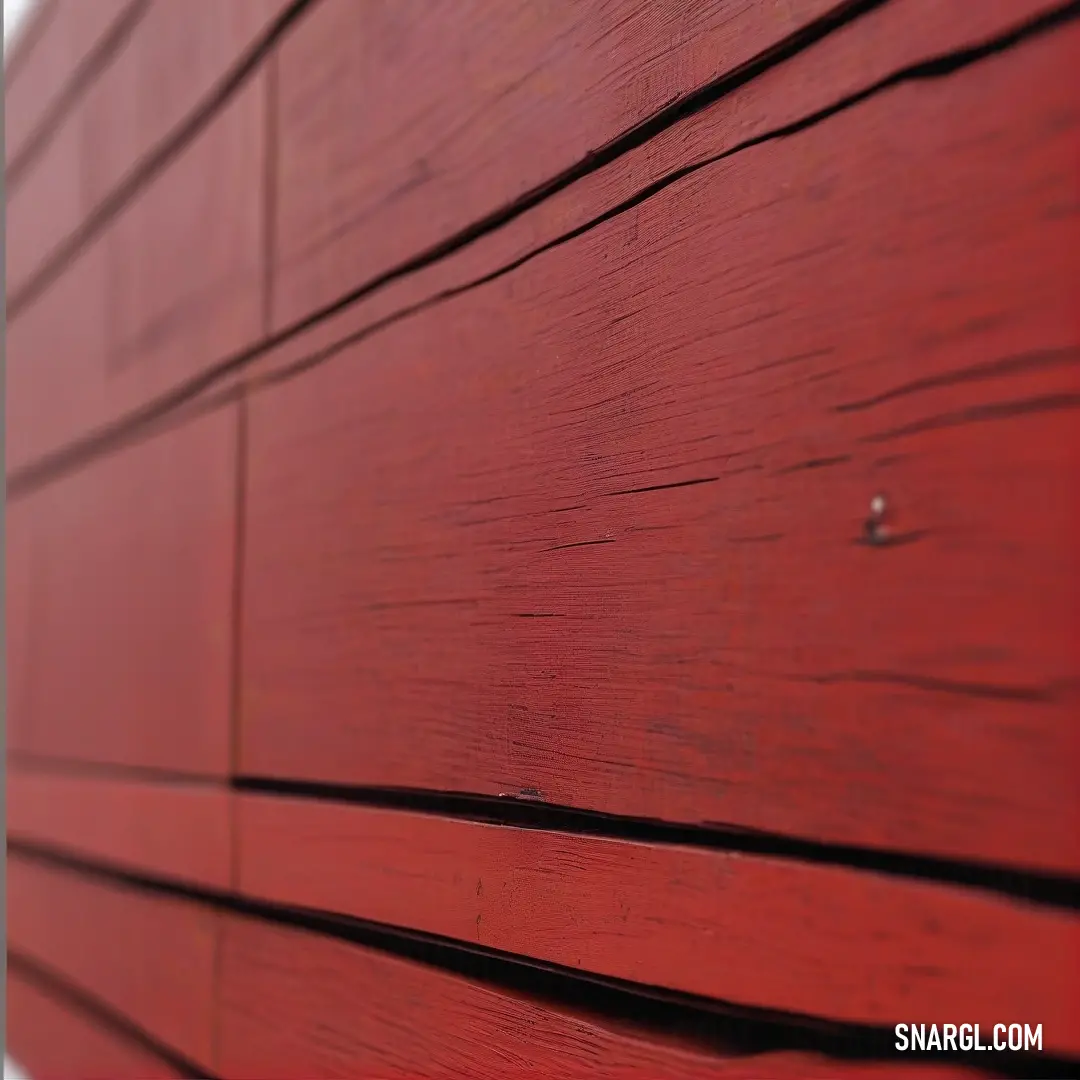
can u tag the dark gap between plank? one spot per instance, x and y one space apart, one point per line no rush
96 62
147 168
527 812
155 415
709 1025
58 988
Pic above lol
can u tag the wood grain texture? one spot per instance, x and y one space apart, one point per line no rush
289 1010
173 830
466 108
175 282
770 933
594 529
149 958
54 1040
70 34
127 649
849 59
895 37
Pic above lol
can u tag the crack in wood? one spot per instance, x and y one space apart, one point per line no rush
167 409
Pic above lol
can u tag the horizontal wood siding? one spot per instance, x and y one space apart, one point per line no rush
541 537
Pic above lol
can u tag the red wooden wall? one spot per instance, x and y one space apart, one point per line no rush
448 634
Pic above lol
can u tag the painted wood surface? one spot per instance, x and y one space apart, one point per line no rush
591 532
903 35
771 933
534 38
175 830
44 204
150 958
25 39
174 282
176 59
597 529
847 60
127 629
465 126
19 608
180 59
467 122
874 51
288 1010
50 60
52 1039
57 362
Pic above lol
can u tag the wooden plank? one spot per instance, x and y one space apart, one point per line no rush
48 204
148 957
174 830
177 58
128 655
475 108
595 530
70 34
57 362
771 933
537 36
23 41
185 257
181 55
895 34
175 282
18 605
55 1040
900 36
289 1010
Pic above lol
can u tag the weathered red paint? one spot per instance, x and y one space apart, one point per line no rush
174 829
289 1009
128 318
466 123
52 1039
127 616
47 63
596 532
149 958
45 206
175 58
18 610
773 933
889 38
181 56
468 553
847 60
